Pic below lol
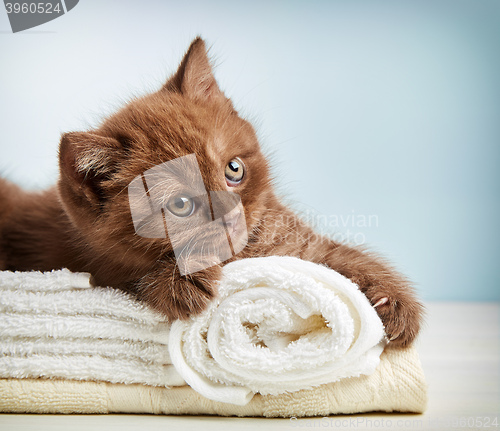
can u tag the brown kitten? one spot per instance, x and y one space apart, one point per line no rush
85 223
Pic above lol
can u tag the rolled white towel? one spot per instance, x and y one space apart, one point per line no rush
279 324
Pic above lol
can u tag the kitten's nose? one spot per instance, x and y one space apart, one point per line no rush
231 219
227 205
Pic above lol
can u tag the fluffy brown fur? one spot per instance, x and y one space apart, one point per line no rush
85 224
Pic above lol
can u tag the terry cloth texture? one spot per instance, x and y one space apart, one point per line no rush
279 324
284 338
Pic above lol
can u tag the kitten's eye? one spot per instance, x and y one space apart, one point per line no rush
181 206
235 171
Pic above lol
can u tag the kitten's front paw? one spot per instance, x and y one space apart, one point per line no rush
192 298
179 297
401 319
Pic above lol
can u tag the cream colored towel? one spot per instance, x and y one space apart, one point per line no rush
398 385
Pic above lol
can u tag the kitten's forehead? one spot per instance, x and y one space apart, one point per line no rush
160 129
181 126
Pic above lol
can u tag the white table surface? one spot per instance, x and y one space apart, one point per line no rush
460 353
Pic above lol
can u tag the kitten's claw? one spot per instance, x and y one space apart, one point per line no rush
381 301
401 319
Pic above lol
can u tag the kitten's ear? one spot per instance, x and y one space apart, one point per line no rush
86 160
194 77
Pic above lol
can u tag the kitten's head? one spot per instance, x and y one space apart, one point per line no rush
187 129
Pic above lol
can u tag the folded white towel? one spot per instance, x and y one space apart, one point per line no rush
279 324
56 324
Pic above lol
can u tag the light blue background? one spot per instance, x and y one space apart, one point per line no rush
382 108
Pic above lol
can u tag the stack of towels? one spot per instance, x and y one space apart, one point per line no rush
283 338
